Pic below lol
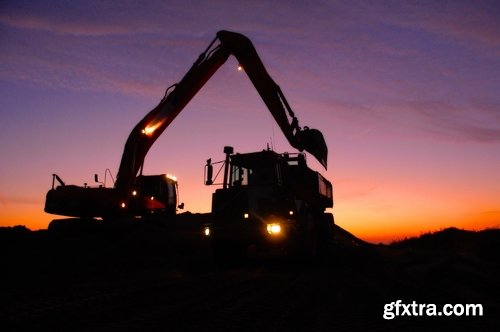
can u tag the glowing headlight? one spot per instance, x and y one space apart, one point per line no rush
206 231
246 215
123 205
273 229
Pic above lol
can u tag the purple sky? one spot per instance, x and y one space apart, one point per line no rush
405 92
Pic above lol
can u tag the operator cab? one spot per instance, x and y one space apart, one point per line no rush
255 169
259 168
154 194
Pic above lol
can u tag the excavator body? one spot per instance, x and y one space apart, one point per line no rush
150 196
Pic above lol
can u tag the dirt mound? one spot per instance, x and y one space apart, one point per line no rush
483 244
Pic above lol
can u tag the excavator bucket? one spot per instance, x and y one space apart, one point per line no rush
312 141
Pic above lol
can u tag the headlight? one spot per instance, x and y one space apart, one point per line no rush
273 229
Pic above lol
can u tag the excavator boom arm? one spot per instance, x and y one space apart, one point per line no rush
307 139
147 131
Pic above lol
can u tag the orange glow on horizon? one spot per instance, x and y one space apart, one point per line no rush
370 229
32 216
380 214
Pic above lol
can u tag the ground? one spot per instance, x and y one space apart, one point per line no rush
161 277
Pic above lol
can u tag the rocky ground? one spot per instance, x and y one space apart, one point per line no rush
163 278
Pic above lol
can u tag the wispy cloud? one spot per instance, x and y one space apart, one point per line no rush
78 18
28 21
441 120
458 122
357 68
460 20
477 20
78 77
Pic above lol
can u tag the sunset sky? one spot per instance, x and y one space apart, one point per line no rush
406 93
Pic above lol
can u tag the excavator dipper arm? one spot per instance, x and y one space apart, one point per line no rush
147 131
307 139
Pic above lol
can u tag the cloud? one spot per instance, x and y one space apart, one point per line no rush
461 20
105 18
78 18
449 121
78 77
341 59
353 189
479 123
470 20
63 27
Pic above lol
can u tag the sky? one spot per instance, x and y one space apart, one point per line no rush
406 94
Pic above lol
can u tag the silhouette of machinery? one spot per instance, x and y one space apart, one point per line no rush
270 200
135 194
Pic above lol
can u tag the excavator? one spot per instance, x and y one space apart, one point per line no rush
136 195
